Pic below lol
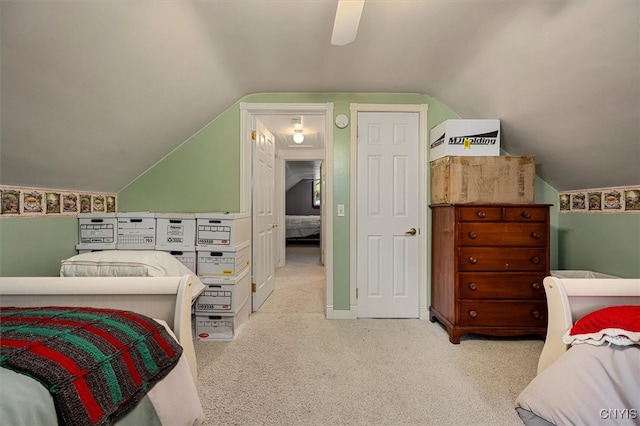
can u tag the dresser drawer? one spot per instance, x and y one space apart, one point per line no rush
501 260
502 234
525 214
505 285
480 214
502 313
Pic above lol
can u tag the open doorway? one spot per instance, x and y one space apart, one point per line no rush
280 120
303 208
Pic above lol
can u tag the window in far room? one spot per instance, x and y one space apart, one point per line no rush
315 193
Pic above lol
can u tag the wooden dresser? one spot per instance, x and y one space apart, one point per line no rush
488 263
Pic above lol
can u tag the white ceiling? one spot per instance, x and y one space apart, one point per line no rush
96 92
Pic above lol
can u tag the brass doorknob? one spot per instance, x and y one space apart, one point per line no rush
411 231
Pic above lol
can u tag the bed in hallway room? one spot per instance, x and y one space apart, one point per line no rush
302 227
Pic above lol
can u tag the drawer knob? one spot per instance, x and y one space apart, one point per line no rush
535 260
473 286
535 235
536 314
473 260
526 214
481 214
473 235
536 286
473 314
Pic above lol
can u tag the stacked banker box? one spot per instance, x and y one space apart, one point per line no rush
176 233
223 252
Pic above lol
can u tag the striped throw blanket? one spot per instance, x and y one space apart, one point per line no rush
96 363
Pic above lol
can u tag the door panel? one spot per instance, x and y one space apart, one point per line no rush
387 263
263 215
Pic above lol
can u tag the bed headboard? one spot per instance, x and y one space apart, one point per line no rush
164 298
569 299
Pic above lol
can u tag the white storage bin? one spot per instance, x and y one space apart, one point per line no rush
221 327
464 138
175 232
136 231
224 263
222 231
187 258
97 231
224 295
579 274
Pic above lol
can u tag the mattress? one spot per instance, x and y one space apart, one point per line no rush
300 226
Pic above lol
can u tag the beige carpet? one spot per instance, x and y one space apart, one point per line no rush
291 366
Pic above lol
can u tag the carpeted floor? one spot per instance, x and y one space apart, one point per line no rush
291 366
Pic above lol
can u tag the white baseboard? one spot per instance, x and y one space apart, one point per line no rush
424 312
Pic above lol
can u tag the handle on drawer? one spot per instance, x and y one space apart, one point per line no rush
481 214
536 314
535 260
473 260
536 286
525 214
473 286
473 314
473 235
535 235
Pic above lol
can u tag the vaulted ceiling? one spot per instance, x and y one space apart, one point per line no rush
96 92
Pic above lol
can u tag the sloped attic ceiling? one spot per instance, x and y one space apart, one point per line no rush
96 92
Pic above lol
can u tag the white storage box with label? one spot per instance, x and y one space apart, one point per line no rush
175 231
97 231
224 295
187 258
221 326
222 231
136 231
224 263
465 137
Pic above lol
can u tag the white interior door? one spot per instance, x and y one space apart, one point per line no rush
387 214
264 225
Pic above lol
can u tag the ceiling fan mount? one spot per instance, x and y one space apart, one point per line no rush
347 20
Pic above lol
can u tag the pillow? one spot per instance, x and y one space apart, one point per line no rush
618 325
127 263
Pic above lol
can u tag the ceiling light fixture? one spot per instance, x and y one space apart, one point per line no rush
298 137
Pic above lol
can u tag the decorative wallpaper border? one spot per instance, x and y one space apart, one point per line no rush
24 201
601 200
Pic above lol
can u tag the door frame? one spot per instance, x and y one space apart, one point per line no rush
423 250
247 112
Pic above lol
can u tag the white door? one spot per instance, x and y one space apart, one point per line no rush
264 235
387 214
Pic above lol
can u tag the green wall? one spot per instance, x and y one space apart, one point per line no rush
202 175
34 246
607 243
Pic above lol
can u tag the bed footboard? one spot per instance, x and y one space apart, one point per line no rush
569 299
164 298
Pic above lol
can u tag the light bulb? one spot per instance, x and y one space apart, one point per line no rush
298 137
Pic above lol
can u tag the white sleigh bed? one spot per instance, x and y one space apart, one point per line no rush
171 401
589 368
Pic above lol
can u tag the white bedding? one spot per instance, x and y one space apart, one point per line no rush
611 376
128 263
300 226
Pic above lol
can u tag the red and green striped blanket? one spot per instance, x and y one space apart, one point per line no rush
96 363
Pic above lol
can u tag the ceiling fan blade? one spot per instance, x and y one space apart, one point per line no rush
345 26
